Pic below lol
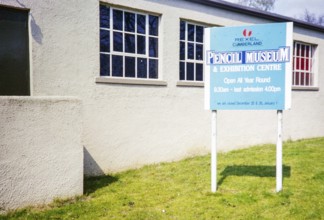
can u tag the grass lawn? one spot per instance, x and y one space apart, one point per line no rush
181 190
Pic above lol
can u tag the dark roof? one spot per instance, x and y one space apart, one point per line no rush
258 13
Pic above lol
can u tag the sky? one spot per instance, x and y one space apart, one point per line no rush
296 8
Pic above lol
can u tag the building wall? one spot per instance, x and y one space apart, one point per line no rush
41 153
127 126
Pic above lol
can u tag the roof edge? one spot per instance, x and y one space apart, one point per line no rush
258 13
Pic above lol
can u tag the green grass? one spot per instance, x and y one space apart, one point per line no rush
181 190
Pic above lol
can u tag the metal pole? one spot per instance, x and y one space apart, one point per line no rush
213 153
279 153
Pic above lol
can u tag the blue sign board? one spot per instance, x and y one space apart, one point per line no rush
249 67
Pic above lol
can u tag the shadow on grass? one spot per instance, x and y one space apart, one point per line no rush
258 171
91 184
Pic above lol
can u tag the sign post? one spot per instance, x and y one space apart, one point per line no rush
214 152
279 153
248 68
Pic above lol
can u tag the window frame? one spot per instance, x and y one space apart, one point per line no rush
187 82
312 67
125 78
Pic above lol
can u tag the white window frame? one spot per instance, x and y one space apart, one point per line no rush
297 83
124 79
194 82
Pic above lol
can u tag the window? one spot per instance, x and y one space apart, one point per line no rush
14 52
128 44
191 52
303 65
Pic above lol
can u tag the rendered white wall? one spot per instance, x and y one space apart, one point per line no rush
41 156
127 126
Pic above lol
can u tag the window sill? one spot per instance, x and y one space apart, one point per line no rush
190 83
129 81
304 88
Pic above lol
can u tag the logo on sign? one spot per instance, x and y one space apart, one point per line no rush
246 40
247 33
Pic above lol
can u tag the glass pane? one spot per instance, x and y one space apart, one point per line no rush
118 41
190 71
307 81
153 47
129 22
302 50
130 66
140 44
199 72
297 49
182 50
118 19
199 52
117 65
104 65
182 30
104 16
199 34
191 32
182 71
141 24
191 51
130 43
302 79
302 63
153 69
154 25
104 41
141 68
297 75
297 64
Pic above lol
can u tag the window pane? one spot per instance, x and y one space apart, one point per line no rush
182 71
130 43
302 79
104 16
302 50
199 52
190 71
199 34
191 32
140 44
118 41
297 76
153 69
104 65
129 22
302 64
141 24
153 47
117 65
297 65
130 66
104 41
199 72
118 19
297 49
154 25
182 50
141 68
190 51
182 30
307 81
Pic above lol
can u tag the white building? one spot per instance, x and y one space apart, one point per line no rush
137 67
